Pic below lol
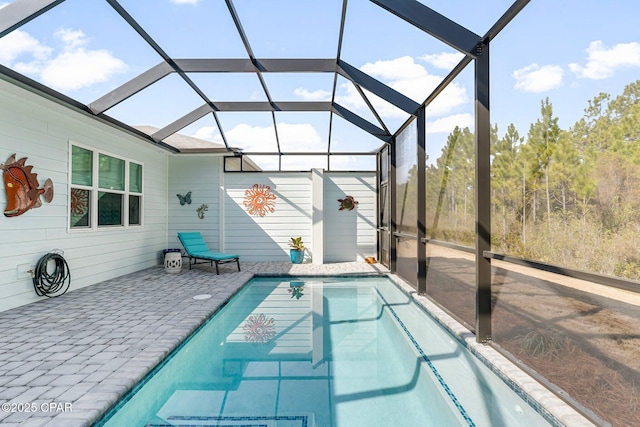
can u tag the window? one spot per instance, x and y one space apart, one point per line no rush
105 191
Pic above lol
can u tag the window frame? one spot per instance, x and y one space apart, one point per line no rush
94 190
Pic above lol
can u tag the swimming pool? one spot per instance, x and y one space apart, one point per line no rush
326 352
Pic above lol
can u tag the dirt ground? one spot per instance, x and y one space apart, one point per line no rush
582 337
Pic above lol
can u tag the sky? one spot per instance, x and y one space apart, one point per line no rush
568 51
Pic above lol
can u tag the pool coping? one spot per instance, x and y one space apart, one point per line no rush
540 398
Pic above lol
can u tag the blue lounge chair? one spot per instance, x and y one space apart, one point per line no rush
196 249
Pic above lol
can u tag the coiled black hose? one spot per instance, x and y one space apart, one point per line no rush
56 283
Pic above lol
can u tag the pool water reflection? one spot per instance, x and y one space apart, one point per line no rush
322 352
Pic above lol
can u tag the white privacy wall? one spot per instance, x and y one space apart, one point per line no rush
349 235
266 238
40 130
200 175
228 226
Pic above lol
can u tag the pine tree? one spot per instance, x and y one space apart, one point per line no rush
543 137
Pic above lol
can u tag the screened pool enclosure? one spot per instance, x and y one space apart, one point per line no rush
503 136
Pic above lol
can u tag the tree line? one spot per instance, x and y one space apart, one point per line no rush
568 197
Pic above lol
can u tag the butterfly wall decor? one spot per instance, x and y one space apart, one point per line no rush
184 199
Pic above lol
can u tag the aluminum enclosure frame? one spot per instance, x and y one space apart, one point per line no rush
474 47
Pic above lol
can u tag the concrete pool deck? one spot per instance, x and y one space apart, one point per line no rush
65 361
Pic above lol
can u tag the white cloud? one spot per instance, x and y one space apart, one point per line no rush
451 97
296 137
403 68
81 68
73 68
316 95
19 43
71 39
353 163
534 78
208 133
603 62
447 124
350 98
443 60
300 137
407 77
251 138
293 137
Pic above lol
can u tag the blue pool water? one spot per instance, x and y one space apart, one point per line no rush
325 352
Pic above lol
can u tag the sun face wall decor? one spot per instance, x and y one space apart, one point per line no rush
259 200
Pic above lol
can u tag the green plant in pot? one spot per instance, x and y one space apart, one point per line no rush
296 253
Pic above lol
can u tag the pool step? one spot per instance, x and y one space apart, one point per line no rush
306 420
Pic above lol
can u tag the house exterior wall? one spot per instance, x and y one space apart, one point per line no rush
41 130
200 175
34 127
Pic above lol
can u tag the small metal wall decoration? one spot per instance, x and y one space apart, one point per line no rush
21 186
201 210
184 199
348 203
259 200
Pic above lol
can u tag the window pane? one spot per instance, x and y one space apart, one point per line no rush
109 208
135 210
135 177
81 166
232 163
80 208
111 173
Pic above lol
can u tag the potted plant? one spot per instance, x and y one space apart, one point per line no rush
296 253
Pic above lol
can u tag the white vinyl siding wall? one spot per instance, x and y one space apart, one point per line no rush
199 174
266 238
40 130
349 235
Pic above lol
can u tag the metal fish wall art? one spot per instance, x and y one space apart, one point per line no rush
21 186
